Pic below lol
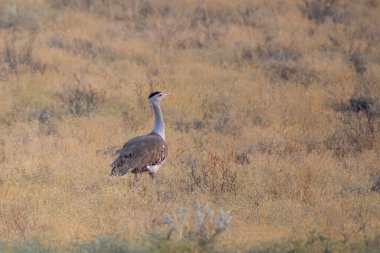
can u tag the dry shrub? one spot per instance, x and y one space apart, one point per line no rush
45 117
72 4
216 174
18 58
114 9
15 18
282 63
318 10
217 116
274 51
242 158
361 127
20 218
9 17
84 48
292 73
82 100
376 184
2 152
358 63
198 231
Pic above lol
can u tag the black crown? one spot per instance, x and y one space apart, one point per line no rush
154 93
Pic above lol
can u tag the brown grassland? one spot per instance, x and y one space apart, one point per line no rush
261 122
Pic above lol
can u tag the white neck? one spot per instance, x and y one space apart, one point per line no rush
159 127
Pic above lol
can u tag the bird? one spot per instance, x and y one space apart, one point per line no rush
144 153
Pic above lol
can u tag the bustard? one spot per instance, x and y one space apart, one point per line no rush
144 153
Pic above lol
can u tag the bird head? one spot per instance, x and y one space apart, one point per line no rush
156 97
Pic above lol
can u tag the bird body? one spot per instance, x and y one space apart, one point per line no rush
144 153
141 154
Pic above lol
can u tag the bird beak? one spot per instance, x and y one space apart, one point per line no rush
165 94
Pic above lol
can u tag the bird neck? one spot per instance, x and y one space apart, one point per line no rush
159 127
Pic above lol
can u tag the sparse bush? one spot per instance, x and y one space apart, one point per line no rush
215 174
283 72
9 17
72 4
20 218
282 63
362 104
318 10
199 236
242 158
361 127
217 116
102 244
182 126
84 48
247 54
82 100
292 73
45 117
358 62
375 184
185 126
114 9
2 152
14 18
273 51
17 58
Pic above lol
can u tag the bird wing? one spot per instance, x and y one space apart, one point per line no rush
140 152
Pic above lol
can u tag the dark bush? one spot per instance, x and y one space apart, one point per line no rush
45 117
376 184
84 48
318 10
360 129
292 72
361 104
242 158
282 71
273 51
82 100
247 54
18 58
358 62
2 151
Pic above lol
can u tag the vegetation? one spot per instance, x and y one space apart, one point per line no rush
273 125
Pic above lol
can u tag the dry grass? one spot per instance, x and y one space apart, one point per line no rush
258 121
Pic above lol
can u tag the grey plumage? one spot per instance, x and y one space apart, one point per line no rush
144 153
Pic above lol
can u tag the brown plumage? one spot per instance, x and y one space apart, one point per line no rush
141 154
144 153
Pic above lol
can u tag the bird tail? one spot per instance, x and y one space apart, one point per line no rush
118 167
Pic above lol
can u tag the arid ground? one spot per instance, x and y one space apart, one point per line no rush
272 123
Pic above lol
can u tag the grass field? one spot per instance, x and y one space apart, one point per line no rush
268 148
